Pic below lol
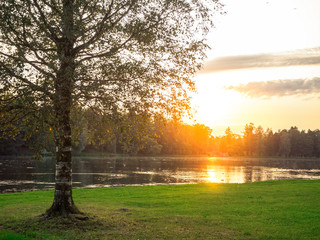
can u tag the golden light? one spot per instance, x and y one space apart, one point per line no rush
213 102
236 34
212 176
218 107
215 176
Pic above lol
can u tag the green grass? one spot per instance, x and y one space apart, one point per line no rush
263 210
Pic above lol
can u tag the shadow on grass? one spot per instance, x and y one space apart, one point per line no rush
114 225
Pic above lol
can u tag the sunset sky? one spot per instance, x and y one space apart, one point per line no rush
264 67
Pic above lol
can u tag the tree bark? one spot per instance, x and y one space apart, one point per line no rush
63 204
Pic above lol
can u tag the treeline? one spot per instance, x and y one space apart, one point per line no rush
257 142
141 134
133 134
117 133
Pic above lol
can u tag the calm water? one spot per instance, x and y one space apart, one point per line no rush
22 174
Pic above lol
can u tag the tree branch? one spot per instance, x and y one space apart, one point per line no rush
32 63
101 26
52 6
26 81
109 53
50 32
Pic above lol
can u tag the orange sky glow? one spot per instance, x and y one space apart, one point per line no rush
264 67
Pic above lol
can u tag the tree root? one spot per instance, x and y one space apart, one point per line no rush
57 210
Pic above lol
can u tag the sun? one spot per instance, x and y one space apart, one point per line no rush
214 104
216 108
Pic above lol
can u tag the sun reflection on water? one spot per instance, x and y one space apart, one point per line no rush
214 177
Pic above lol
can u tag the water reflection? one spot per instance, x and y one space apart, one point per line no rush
212 176
226 174
20 174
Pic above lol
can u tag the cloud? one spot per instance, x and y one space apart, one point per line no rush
309 56
279 88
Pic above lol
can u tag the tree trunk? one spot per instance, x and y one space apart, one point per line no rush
63 204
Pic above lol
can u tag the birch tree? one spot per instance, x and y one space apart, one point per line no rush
110 55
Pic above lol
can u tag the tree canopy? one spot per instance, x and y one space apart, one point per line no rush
108 55
122 54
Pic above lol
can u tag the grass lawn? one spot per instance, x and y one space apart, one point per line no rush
288 209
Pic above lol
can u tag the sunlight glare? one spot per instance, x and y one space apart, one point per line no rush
213 176
213 102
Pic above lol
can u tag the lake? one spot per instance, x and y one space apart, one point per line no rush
25 174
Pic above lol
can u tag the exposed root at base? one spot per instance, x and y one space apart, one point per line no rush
65 212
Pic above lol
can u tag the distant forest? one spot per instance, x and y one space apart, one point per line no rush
144 135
